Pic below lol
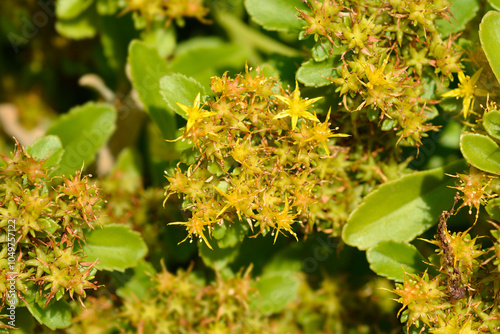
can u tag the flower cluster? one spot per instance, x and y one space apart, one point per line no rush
259 157
393 58
218 307
463 296
229 303
474 189
49 221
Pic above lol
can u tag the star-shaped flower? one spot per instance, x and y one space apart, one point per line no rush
284 221
467 90
196 226
376 76
195 112
297 107
322 133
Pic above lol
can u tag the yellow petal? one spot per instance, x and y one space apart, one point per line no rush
281 115
475 77
283 99
453 93
309 116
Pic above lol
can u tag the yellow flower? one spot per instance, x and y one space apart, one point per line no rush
196 226
322 133
234 199
297 107
467 90
284 221
195 112
376 77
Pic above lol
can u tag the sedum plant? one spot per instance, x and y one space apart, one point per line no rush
367 137
251 163
391 55
50 224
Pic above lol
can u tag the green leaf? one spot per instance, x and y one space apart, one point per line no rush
279 15
493 208
495 4
107 7
219 231
69 9
462 11
146 68
276 291
321 50
324 49
116 247
217 258
140 21
291 257
163 40
116 34
314 74
179 88
233 236
83 131
284 67
392 259
481 152
402 209
450 135
203 58
49 225
56 315
48 147
135 282
388 124
491 122
489 34
84 25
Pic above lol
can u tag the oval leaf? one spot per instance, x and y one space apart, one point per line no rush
233 236
392 259
280 15
48 147
218 257
146 68
83 131
55 315
493 208
115 247
481 152
314 74
402 209
491 122
135 282
462 11
495 4
69 9
204 58
489 34
84 25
